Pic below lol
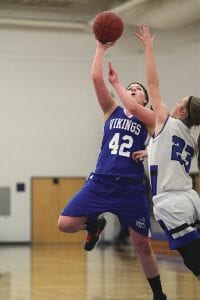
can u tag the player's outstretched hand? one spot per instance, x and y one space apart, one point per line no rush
144 35
104 46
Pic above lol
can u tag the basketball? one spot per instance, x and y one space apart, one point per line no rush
107 27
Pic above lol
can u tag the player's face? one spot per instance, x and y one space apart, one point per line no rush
179 109
137 92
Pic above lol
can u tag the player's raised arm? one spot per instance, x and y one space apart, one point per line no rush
106 101
158 105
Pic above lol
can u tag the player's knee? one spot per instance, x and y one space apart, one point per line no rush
143 247
66 224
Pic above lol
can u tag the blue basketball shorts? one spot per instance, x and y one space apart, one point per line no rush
100 194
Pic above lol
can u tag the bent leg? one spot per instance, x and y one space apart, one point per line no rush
71 224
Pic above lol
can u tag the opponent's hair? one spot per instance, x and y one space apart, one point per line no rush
193 119
198 152
144 89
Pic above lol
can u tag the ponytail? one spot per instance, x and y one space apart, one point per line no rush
193 119
198 152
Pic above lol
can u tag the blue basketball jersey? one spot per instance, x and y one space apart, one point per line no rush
123 135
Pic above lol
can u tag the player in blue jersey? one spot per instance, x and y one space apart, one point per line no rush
170 152
117 184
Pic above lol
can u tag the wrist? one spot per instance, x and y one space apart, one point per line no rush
149 47
116 84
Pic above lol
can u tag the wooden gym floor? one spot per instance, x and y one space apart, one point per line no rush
69 273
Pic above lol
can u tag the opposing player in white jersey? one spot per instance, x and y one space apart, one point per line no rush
170 152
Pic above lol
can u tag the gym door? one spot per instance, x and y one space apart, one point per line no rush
49 196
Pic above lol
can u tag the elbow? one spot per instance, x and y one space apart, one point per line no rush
97 79
95 75
153 83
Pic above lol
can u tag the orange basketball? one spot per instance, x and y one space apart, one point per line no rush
107 27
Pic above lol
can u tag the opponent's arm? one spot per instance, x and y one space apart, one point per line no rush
159 107
106 101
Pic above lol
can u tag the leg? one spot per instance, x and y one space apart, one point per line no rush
93 226
82 212
191 257
148 262
146 255
71 224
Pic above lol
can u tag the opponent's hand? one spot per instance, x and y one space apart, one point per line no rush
139 155
144 35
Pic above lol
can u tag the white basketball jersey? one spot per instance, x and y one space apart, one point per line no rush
169 157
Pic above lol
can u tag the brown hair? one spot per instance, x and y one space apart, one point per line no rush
198 152
193 119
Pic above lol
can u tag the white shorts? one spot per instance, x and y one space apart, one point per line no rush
178 213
